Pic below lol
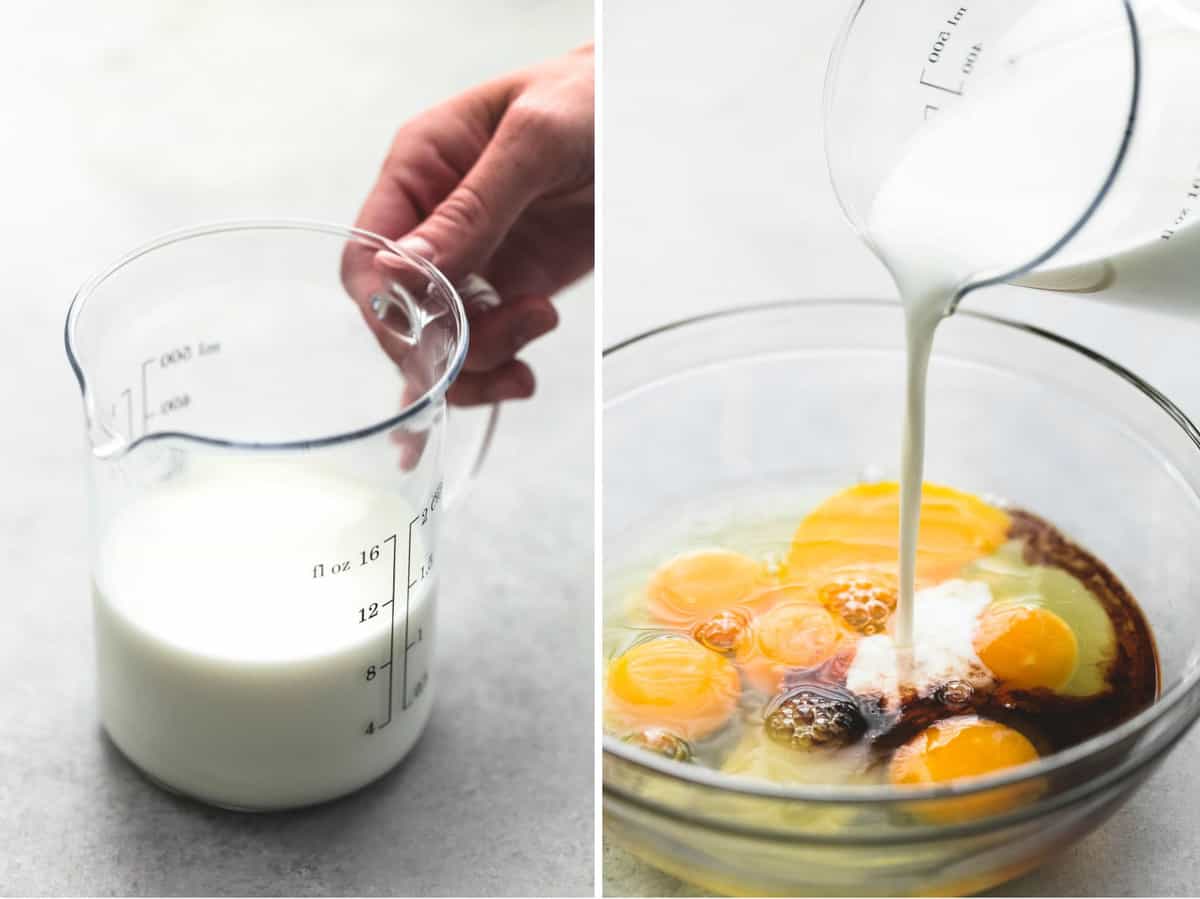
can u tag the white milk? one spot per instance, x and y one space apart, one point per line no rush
1143 245
995 181
244 625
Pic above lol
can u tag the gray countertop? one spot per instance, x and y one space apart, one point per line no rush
717 194
130 118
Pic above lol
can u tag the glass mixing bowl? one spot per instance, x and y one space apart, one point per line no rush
796 393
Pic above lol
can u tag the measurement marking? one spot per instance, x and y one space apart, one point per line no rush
146 413
407 596
128 394
941 87
391 633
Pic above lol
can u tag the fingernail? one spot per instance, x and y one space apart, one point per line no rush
534 324
417 245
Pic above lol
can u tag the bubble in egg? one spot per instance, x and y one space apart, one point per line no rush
814 715
864 602
727 631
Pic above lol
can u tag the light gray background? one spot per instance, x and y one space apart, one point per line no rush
128 118
716 195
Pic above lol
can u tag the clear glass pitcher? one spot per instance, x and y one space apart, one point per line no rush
1106 109
266 416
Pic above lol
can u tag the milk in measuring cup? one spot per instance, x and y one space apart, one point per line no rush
995 181
1142 247
253 644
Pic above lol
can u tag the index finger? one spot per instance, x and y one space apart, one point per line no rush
427 159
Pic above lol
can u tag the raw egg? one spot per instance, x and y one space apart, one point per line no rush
859 528
672 683
695 586
963 747
1027 648
788 637
1023 637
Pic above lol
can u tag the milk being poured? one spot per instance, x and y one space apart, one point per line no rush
996 182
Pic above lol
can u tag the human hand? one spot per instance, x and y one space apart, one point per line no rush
498 181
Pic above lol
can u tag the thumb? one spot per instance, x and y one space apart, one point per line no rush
463 231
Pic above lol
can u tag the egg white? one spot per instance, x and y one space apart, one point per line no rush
1014 583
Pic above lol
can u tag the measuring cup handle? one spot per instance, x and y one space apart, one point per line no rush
476 294
459 482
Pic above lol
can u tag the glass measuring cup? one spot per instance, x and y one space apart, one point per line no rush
266 414
1101 124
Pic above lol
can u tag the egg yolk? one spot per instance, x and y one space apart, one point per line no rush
1027 648
962 747
672 683
792 635
693 587
860 528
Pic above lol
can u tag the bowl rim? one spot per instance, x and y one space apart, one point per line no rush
872 795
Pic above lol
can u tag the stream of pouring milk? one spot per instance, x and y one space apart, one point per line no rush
991 184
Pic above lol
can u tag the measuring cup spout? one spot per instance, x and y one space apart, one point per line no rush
988 143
